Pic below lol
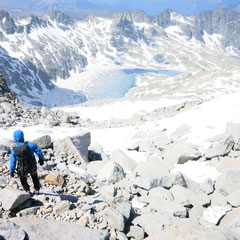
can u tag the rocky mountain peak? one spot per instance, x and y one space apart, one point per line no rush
7 23
163 19
60 17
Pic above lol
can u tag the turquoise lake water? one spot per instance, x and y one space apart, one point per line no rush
117 84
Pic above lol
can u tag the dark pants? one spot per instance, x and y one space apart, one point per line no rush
35 180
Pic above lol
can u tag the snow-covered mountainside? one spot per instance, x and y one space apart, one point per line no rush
48 58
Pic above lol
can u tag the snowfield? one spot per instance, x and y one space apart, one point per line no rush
204 121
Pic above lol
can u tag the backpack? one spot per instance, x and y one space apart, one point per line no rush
26 162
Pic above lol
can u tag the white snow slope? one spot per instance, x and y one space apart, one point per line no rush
204 121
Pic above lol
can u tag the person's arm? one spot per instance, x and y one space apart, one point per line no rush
13 161
38 151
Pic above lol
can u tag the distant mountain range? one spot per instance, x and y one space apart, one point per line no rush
35 51
73 8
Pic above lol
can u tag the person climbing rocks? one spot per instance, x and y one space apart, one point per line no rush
22 158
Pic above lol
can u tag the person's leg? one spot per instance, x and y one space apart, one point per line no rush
24 183
36 182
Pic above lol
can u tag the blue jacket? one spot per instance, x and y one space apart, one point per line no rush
18 137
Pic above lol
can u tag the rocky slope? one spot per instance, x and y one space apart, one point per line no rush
118 197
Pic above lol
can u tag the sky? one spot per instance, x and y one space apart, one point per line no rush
151 7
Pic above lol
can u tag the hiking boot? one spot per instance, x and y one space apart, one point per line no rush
36 192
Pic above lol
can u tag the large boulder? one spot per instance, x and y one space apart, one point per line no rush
188 198
191 230
126 162
43 142
162 141
231 219
214 214
153 222
233 129
181 152
54 179
226 163
3 181
157 194
95 167
149 182
168 208
114 219
112 173
61 207
38 228
12 198
9 230
228 182
4 149
76 146
220 149
234 199
155 168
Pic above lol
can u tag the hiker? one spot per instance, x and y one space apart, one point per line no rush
23 156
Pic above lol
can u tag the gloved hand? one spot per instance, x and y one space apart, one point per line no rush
12 174
41 162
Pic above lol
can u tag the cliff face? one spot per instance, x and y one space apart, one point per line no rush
4 89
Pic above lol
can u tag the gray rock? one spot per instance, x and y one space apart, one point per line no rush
3 181
220 149
181 152
217 199
148 182
231 219
44 142
169 208
61 207
196 212
178 179
76 146
4 149
126 162
234 153
12 198
158 193
228 182
95 167
233 129
9 230
155 168
114 219
234 199
188 198
62 167
207 186
112 173
121 236
181 131
29 211
125 209
161 142
108 193
136 232
37 228
191 230
226 163
144 146
213 214
154 221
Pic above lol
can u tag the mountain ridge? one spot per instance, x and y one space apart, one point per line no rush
36 51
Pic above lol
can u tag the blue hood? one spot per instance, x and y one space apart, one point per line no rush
18 136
